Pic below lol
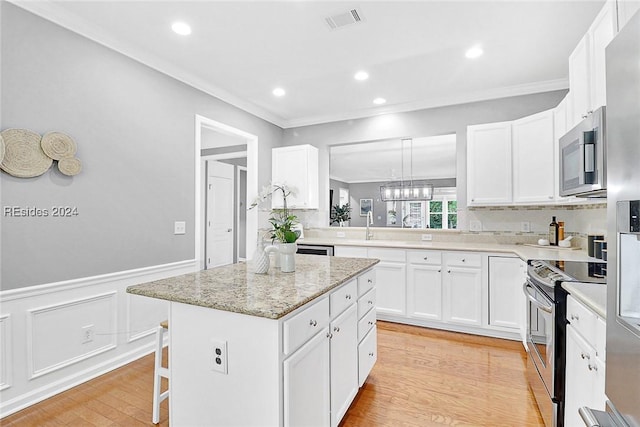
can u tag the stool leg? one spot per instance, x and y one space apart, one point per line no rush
157 379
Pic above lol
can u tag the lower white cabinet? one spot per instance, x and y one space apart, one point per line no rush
463 296
506 299
307 398
344 363
424 291
367 355
585 371
391 279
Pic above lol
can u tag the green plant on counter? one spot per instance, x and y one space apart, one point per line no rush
282 220
340 213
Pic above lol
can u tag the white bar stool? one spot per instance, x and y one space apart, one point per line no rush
159 372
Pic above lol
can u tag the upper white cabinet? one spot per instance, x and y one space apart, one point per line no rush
587 80
297 167
626 9
533 158
489 178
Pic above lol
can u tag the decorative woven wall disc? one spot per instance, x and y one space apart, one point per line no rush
69 166
23 156
1 148
58 145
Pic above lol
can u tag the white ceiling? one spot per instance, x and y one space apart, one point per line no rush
423 158
413 50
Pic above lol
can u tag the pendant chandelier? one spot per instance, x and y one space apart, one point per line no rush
406 190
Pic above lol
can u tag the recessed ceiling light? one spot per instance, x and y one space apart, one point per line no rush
279 91
361 75
379 101
474 52
181 28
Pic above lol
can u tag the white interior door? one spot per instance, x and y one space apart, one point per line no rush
219 236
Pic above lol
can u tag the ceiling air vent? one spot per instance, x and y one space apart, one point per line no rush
343 19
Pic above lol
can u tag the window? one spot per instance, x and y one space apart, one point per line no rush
439 213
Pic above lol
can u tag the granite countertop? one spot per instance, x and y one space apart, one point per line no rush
523 251
593 295
238 289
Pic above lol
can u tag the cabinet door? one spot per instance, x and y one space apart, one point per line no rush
533 159
367 355
463 296
424 291
601 32
579 381
489 179
306 384
391 288
296 166
506 299
579 82
344 363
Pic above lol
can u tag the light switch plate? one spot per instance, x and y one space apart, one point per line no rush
427 237
179 227
340 234
475 226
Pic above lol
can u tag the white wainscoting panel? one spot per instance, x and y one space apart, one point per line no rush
57 333
142 313
5 355
43 345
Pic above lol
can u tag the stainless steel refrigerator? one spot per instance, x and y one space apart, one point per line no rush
623 228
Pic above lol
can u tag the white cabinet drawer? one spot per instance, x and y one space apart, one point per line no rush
367 355
367 302
343 297
424 257
366 324
397 255
582 319
463 259
302 326
366 281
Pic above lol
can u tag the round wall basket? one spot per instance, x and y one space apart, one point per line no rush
23 154
69 166
58 145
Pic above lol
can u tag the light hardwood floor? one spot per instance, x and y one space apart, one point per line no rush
423 377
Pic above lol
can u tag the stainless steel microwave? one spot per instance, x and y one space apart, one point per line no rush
583 158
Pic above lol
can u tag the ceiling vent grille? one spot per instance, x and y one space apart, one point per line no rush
340 20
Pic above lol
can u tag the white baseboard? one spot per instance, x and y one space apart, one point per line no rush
44 348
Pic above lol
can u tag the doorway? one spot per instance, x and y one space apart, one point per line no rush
230 143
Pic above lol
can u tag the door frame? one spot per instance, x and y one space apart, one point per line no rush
252 183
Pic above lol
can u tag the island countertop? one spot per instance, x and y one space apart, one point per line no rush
236 288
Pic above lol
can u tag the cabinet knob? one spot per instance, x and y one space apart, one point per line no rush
464 260
329 335
439 270
448 271
313 323
584 116
336 329
592 367
369 281
370 302
585 356
348 296
425 258
575 317
370 322
550 197
473 200
371 353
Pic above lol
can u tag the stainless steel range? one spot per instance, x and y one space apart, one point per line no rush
546 329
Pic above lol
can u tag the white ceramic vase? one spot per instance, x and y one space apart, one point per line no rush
261 258
287 257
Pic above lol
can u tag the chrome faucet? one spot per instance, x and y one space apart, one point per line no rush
369 222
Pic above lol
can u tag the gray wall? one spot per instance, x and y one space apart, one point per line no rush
428 122
135 133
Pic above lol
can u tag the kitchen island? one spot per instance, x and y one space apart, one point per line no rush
276 349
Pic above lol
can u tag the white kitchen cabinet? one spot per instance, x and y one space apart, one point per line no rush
391 296
534 169
587 79
585 371
626 9
424 285
367 355
559 130
307 399
489 176
506 300
462 289
344 363
297 167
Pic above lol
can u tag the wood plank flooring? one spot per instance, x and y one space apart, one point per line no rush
423 377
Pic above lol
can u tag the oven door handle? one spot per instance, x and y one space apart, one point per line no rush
544 307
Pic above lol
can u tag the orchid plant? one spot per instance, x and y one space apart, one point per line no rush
282 220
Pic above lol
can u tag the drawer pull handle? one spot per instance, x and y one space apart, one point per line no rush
585 356
336 329
370 302
592 367
369 281
425 258
574 317
347 296
313 323
370 322
329 335
371 353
